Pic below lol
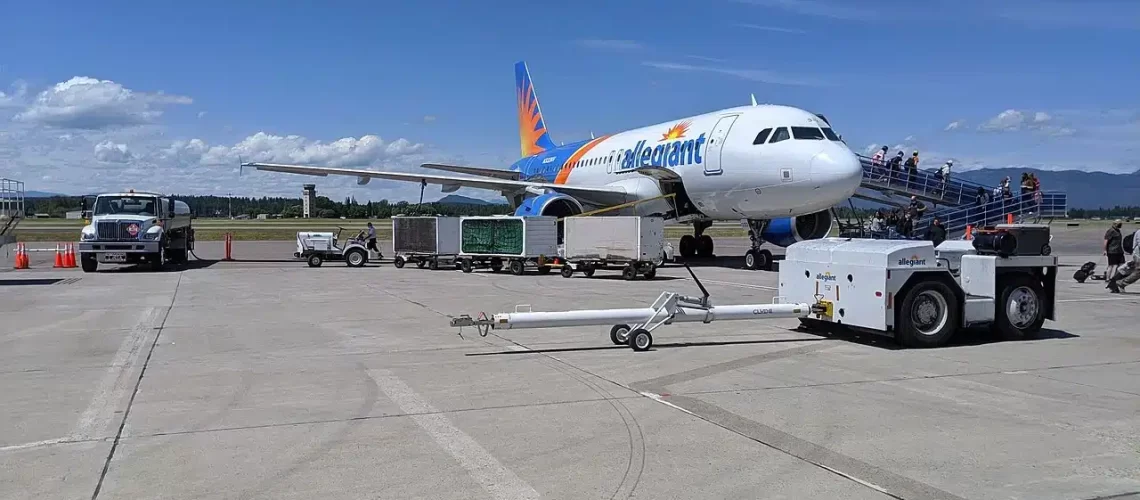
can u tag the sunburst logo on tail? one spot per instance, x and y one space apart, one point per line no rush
676 131
531 127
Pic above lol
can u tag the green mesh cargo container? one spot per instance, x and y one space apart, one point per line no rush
522 237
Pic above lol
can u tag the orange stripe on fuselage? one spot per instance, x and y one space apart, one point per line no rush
567 167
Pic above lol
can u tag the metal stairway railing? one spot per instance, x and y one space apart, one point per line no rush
11 205
922 184
1025 208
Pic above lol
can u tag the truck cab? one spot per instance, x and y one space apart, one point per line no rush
135 227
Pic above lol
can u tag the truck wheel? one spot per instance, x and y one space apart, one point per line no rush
544 270
619 334
399 263
88 262
496 265
651 273
928 315
628 273
315 260
1020 310
588 270
355 258
434 264
466 265
516 267
158 260
421 264
567 271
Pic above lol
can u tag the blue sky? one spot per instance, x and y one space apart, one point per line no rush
174 93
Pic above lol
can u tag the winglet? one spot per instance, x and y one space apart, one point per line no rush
753 99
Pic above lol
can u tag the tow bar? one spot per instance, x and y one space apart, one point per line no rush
632 326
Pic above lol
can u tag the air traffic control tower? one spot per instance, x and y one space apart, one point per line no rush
308 200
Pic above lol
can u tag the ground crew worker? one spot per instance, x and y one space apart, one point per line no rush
936 232
1113 249
1117 286
372 241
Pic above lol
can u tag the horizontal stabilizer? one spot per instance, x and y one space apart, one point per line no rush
494 173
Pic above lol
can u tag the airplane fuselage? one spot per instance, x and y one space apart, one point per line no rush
796 166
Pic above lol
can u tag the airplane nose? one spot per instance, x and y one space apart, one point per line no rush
837 170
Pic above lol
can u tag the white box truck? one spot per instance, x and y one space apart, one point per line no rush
636 244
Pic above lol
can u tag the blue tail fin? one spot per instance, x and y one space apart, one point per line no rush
532 128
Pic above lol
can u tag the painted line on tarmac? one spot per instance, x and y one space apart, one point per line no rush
116 382
744 285
499 481
1098 299
37 444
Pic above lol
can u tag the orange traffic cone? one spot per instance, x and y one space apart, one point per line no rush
69 258
27 261
21 262
58 257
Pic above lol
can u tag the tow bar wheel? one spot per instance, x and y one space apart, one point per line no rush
640 340
619 334
928 315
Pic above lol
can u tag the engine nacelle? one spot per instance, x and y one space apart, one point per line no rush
549 204
784 232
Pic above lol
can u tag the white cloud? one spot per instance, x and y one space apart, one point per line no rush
955 125
706 58
774 29
1013 120
816 8
429 118
619 45
201 114
746 74
15 96
89 103
111 152
269 148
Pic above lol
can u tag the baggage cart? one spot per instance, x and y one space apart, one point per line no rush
518 243
431 242
636 245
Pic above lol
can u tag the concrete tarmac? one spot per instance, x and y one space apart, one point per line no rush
263 378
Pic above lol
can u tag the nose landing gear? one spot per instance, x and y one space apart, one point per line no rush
757 258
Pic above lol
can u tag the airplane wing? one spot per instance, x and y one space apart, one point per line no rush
590 195
483 172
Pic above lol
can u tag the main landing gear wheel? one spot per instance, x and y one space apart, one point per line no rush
1021 309
705 246
688 245
758 259
640 340
928 315
619 334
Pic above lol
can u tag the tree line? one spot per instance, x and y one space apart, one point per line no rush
221 206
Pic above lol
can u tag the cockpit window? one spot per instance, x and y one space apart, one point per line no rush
762 136
780 134
830 134
807 133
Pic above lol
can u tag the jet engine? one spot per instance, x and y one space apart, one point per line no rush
784 232
549 204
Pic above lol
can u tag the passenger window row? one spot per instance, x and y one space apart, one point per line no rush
768 136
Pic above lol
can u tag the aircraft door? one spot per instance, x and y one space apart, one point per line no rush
716 144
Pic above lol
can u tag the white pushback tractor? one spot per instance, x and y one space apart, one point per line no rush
906 289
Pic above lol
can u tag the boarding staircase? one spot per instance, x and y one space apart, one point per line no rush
11 208
956 201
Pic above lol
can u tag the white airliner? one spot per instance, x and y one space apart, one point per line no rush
779 168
